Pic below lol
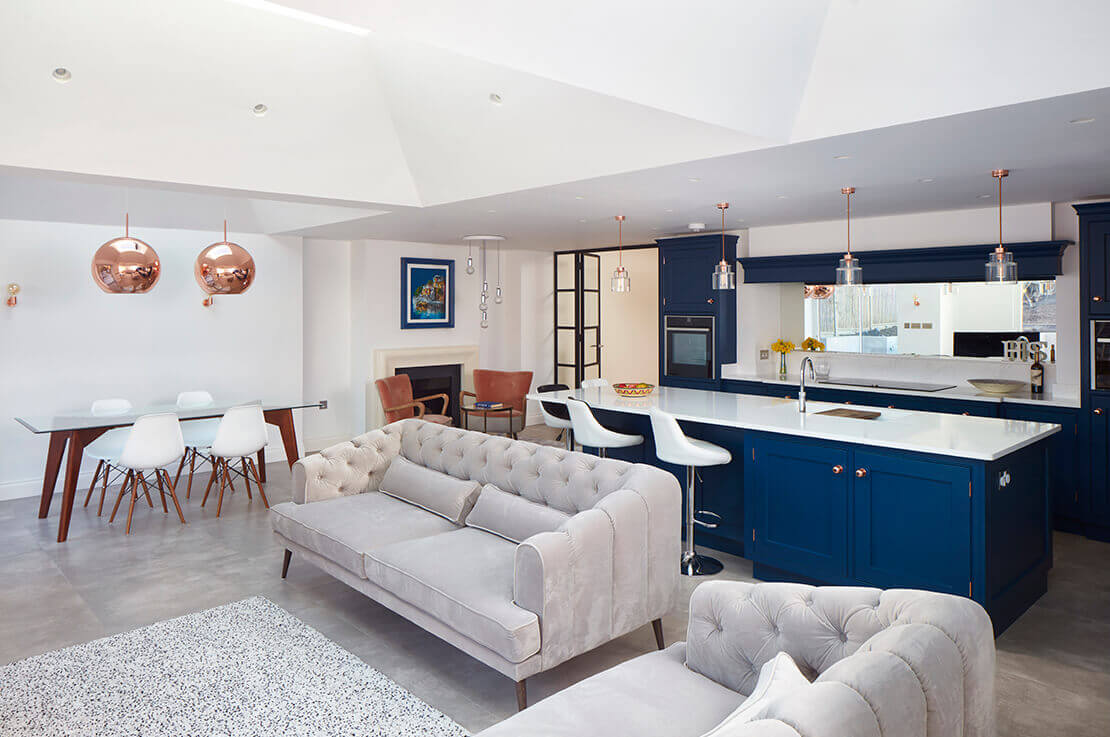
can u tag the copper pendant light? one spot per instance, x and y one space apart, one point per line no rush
1000 266
224 268
723 275
126 265
621 281
848 272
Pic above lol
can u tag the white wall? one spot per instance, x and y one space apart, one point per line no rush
67 342
326 279
630 320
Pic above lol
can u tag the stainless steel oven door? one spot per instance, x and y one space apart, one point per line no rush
689 348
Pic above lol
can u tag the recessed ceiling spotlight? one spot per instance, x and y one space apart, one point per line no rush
984 196
841 157
582 220
669 210
260 110
782 197
579 197
61 74
491 211
495 98
1081 121
740 220
693 179
926 180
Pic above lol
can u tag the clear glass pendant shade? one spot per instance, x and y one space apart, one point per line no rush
1001 267
621 281
723 276
470 264
498 297
848 272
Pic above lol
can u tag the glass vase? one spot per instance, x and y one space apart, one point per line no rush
782 367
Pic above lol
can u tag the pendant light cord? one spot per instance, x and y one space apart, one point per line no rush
848 196
1000 212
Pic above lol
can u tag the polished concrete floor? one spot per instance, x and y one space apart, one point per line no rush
1053 664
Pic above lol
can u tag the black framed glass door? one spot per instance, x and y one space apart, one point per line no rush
577 317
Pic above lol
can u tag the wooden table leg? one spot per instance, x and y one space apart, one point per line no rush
53 465
262 464
283 419
69 486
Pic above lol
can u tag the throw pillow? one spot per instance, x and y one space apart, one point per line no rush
436 492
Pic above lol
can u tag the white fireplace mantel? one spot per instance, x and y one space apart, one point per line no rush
386 361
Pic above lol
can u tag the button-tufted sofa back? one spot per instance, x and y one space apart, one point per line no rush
894 663
569 482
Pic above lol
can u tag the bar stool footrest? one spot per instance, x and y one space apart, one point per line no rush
712 523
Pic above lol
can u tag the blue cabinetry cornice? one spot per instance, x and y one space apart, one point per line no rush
1035 260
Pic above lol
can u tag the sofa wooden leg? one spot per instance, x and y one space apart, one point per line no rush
657 625
285 563
521 696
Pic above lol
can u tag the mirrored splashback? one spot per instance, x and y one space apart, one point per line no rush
930 319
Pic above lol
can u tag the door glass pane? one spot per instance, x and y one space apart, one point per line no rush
565 376
565 312
564 272
591 266
590 306
566 347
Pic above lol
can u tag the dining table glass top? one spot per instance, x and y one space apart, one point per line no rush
84 419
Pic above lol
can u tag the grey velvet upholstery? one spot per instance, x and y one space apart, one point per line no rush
347 528
464 578
893 663
608 568
511 516
439 493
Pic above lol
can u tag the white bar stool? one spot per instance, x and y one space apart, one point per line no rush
589 432
197 433
153 443
555 415
241 434
672 446
594 383
107 448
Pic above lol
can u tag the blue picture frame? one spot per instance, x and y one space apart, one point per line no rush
427 293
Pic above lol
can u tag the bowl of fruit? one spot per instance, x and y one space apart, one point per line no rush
633 389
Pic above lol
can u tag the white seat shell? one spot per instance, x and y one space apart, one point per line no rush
589 432
108 446
673 446
154 442
241 433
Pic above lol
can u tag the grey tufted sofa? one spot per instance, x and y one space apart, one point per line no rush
893 663
519 608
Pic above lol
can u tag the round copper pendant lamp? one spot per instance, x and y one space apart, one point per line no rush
126 265
224 268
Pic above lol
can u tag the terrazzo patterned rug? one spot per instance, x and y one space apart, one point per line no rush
244 669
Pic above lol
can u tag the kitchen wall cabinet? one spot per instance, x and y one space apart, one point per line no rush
1096 241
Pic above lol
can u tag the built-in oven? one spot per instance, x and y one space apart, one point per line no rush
689 346
1100 355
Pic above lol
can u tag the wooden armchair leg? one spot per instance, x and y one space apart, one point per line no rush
521 695
657 625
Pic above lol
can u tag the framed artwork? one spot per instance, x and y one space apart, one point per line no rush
427 293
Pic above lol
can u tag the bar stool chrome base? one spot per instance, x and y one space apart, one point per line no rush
694 564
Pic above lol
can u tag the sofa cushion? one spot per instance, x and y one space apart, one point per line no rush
464 579
654 695
436 492
511 516
343 529
778 678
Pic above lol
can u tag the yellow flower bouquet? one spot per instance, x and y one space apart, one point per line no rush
812 344
782 347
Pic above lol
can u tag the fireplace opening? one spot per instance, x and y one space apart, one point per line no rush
442 379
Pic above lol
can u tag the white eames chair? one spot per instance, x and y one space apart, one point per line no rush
590 433
154 442
241 434
106 449
197 433
672 446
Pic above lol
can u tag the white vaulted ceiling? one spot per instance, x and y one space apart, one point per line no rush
381 124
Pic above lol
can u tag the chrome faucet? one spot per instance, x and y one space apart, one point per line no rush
807 361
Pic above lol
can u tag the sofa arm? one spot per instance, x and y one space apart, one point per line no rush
352 467
566 578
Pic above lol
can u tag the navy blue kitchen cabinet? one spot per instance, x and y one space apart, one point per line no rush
1099 498
1096 242
912 522
798 506
1064 461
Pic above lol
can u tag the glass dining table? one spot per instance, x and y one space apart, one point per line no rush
79 428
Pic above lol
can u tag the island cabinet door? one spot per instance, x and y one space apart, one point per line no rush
911 522
800 515
1063 455
1100 460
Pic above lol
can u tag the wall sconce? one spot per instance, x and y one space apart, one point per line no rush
13 289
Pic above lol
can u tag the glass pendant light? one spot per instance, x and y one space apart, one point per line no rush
469 257
723 275
621 281
1000 267
848 272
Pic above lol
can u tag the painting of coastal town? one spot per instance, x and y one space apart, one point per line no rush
427 293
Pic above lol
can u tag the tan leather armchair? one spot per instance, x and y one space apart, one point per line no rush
398 403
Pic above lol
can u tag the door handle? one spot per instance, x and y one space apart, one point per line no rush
709 301
838 469
1098 411
861 472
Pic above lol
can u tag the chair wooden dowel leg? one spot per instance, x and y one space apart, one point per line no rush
180 466
122 490
657 626
146 489
134 498
96 475
103 491
173 495
211 480
261 491
521 696
246 476
162 488
192 462
223 479
285 562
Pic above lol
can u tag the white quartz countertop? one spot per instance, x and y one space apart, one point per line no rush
979 438
962 391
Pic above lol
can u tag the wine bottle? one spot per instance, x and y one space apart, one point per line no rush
1036 375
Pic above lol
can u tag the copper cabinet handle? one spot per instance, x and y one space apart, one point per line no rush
965 414
709 301
1098 411
1097 299
838 469
861 472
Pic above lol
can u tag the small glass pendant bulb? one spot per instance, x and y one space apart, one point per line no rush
1000 267
849 273
498 298
724 278
470 264
620 281
485 320
482 305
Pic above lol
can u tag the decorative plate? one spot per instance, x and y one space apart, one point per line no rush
634 389
997 386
